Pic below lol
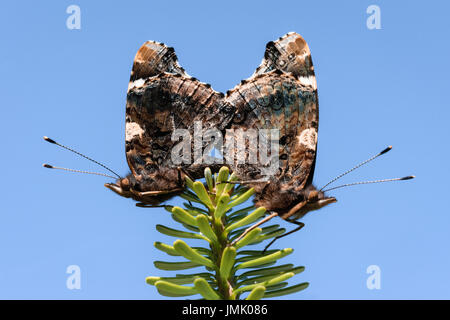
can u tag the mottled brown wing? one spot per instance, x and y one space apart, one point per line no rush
152 59
282 94
277 100
291 54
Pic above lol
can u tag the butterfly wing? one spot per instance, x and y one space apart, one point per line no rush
289 54
282 94
161 99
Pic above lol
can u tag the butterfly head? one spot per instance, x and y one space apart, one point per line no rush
150 188
308 199
316 199
289 200
121 187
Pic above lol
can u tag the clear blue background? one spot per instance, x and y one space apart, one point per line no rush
376 88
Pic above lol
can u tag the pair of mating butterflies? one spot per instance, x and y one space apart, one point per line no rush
281 94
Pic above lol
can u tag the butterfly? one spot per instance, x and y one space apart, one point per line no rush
282 93
162 98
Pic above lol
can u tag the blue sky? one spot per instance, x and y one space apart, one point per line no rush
376 88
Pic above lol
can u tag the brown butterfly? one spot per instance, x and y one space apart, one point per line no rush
282 93
162 98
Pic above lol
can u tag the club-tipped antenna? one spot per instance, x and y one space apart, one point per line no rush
369 182
357 166
49 166
81 155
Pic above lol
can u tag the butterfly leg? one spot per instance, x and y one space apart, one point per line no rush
299 224
273 214
146 205
156 193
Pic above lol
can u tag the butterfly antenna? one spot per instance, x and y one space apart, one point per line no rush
369 182
81 155
45 165
357 166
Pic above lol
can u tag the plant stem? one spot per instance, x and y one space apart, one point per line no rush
224 286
